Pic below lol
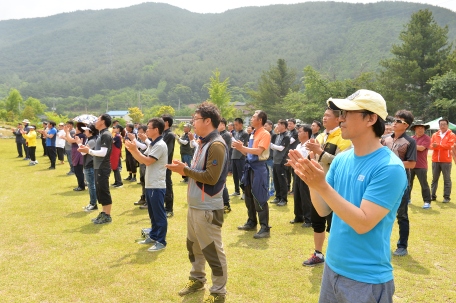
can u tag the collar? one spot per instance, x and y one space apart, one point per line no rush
223 131
103 130
156 140
302 144
261 129
331 131
209 137
443 134
166 131
393 135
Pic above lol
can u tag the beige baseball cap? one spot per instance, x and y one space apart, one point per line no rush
361 99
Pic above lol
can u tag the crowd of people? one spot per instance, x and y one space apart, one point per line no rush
351 180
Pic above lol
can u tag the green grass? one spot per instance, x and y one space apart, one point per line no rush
51 252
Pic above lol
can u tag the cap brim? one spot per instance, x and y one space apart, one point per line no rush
426 127
85 128
344 104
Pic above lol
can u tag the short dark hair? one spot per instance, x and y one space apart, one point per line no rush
283 122
223 120
44 122
70 122
52 123
158 123
93 129
379 126
19 123
209 110
406 115
317 122
130 125
307 129
79 126
239 120
269 122
136 123
262 115
292 120
143 127
115 121
448 122
167 118
107 119
336 112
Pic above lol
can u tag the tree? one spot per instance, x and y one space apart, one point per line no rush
220 96
135 114
310 104
165 110
28 113
443 93
37 106
13 101
273 86
421 56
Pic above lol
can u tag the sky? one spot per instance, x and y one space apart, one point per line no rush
19 9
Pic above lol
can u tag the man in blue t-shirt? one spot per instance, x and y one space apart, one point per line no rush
363 188
50 143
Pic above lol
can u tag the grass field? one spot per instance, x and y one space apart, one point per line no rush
52 252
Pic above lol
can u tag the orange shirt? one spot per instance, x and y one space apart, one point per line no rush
259 138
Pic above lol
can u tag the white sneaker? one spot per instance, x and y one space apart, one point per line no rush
426 205
36 161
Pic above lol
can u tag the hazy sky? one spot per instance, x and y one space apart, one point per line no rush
18 9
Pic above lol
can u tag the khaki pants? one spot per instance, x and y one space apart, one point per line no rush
204 243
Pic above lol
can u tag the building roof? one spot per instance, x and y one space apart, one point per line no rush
118 113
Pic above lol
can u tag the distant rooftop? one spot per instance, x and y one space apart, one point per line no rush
118 112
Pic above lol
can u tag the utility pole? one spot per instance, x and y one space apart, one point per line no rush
139 100
53 104
179 107
107 101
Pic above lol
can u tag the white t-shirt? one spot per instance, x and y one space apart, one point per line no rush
156 172
302 149
60 142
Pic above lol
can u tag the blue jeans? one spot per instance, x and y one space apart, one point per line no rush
270 179
188 160
68 154
155 198
90 177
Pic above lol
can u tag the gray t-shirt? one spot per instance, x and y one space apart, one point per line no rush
156 172
67 144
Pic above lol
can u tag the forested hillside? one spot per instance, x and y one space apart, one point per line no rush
157 47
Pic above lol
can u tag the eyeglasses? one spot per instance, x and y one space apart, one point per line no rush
400 121
194 119
343 112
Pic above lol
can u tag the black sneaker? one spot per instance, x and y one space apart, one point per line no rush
169 214
144 206
117 185
70 173
247 226
140 202
51 167
128 178
282 203
263 233
307 225
133 180
78 189
98 217
275 201
103 219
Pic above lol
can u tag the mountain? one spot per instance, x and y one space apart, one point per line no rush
71 54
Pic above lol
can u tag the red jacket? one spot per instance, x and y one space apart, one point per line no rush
442 153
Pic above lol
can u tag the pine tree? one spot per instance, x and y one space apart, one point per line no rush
421 56
273 86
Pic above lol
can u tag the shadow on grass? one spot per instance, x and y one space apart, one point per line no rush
409 264
279 208
447 205
298 229
138 221
79 214
246 240
89 228
72 193
194 297
134 212
315 279
142 256
421 210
